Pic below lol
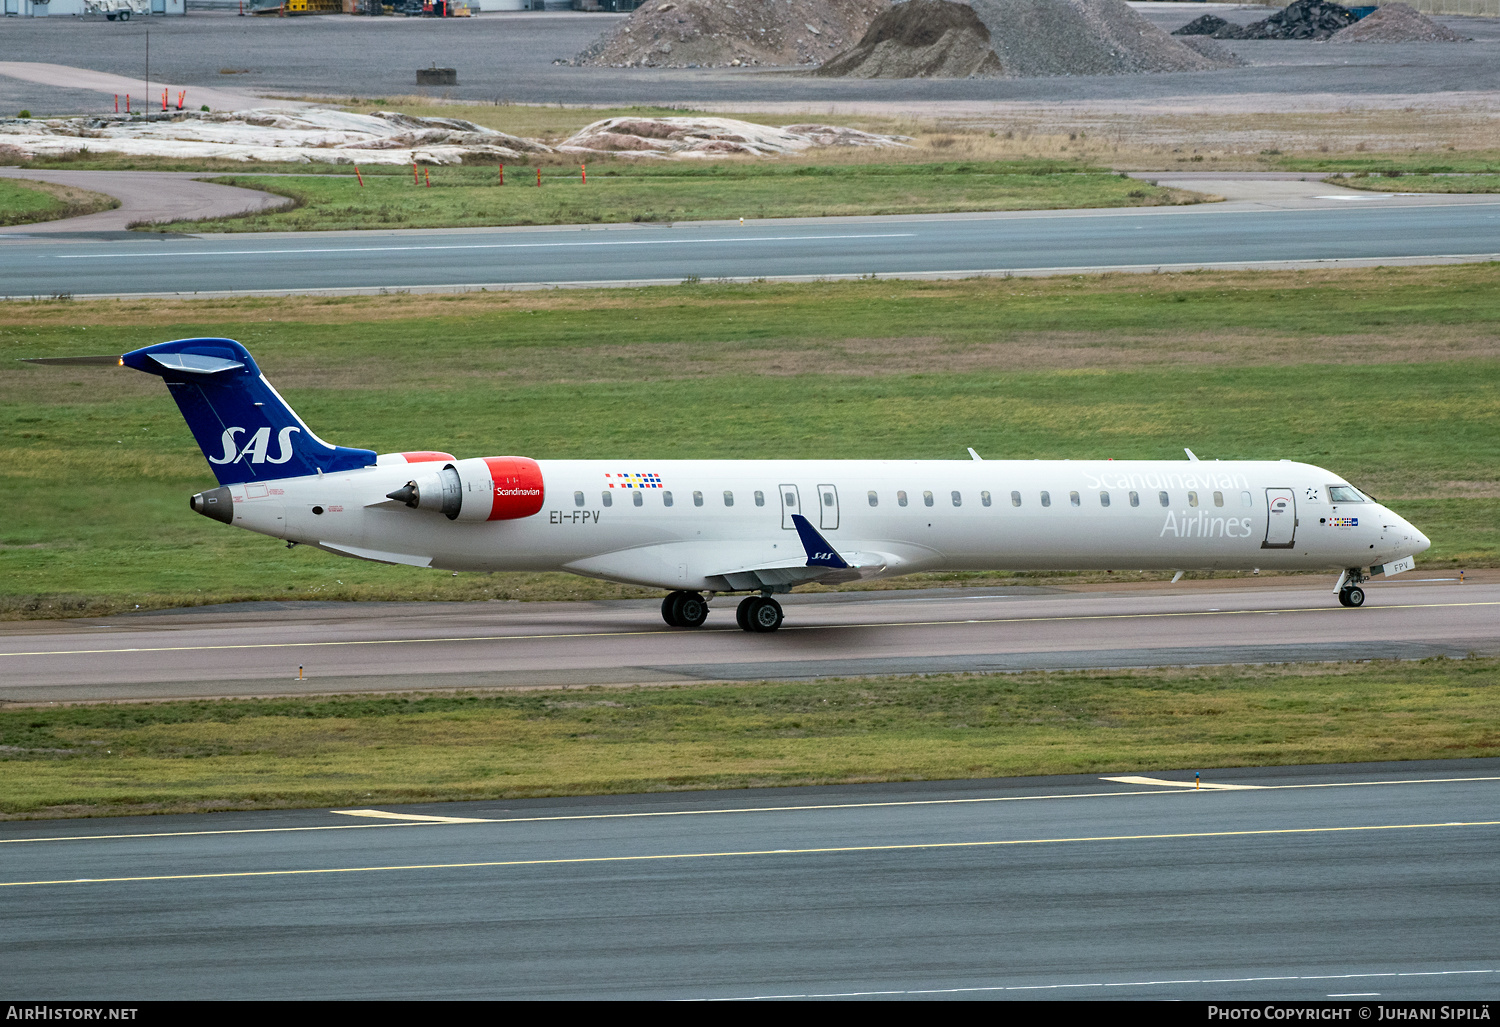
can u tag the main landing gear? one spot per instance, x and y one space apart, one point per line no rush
758 613
690 609
1350 594
684 610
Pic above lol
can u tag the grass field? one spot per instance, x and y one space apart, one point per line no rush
1386 375
364 750
1404 183
471 197
24 202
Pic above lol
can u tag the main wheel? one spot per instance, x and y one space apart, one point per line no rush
669 607
691 610
742 612
765 615
1356 596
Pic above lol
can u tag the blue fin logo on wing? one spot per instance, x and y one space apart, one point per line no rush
820 553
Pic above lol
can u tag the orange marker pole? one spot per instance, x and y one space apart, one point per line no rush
414 179
585 169
359 176
163 99
181 96
502 174
538 178
127 103
117 103
427 174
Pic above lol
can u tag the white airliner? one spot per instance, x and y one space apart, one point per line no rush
703 527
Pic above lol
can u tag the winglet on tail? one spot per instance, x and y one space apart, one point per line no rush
246 430
820 553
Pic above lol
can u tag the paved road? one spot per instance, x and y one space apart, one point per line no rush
251 649
1378 880
1364 229
143 196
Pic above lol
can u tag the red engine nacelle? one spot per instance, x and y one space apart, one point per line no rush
516 484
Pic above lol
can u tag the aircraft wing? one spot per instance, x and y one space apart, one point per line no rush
821 563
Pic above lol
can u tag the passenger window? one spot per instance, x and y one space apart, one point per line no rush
984 499
1245 500
666 499
900 498
1166 500
1073 498
760 498
1135 499
791 499
697 498
828 499
1192 499
635 497
1015 499
927 499
728 498
1218 499
578 499
874 499
958 499
1046 499
607 498
1104 499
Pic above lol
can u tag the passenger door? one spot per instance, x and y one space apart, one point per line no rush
791 503
828 507
1281 519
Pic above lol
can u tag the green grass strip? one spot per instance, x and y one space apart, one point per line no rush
369 750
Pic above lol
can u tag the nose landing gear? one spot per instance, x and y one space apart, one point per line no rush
684 610
1350 594
759 614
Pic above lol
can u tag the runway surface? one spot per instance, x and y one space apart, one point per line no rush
1362 230
1366 881
256 649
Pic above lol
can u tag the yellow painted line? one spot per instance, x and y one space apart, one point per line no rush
801 627
811 807
819 850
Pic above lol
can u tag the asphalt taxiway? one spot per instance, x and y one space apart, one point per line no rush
1371 881
310 648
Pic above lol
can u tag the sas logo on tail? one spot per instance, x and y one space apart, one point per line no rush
255 448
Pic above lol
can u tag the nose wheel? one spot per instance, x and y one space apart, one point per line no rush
759 614
1350 594
684 610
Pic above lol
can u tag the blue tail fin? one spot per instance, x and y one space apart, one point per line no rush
244 427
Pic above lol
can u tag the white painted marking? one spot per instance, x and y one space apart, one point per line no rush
1108 984
473 246
380 814
1206 786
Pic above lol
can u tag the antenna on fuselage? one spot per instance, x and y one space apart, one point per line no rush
975 455
1191 455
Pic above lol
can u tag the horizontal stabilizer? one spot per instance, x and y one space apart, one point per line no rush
105 361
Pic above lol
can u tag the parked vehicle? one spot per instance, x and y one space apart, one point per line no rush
117 10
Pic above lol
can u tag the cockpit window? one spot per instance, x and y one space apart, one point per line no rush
1344 494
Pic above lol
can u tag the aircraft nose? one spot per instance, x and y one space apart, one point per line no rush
1423 543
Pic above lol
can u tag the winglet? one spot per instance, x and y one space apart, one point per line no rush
973 454
819 552
1191 455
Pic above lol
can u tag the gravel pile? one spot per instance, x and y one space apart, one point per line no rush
1396 23
732 33
1016 39
1305 19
